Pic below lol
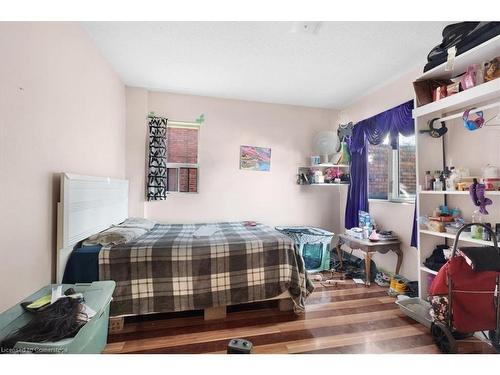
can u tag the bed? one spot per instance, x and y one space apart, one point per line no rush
169 268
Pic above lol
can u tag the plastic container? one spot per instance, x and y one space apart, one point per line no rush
313 245
428 180
91 338
417 309
477 230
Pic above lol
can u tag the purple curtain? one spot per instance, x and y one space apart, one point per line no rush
395 121
357 196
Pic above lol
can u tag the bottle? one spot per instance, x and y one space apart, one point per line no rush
451 180
428 180
456 213
486 233
477 230
442 177
438 185
446 172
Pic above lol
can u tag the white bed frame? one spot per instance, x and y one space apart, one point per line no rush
89 205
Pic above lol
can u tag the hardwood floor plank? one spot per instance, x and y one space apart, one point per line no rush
263 340
379 347
349 303
350 339
328 310
427 349
346 318
245 328
264 329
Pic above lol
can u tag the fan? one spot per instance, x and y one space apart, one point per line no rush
325 143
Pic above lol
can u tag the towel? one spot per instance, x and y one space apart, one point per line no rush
206 231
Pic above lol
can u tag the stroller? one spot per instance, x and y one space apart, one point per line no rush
465 301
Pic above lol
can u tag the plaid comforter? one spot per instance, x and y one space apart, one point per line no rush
168 269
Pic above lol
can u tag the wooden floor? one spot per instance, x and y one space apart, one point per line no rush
340 319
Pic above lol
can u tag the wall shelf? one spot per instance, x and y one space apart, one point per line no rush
481 93
326 165
428 270
456 192
302 171
483 52
465 237
327 184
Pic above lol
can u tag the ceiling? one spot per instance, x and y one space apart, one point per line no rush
265 61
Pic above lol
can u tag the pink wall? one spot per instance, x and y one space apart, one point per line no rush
393 216
62 108
225 191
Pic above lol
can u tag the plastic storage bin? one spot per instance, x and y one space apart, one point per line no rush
417 309
91 338
313 244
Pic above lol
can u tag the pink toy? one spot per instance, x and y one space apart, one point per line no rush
374 236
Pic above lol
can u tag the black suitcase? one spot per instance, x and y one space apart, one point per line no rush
463 35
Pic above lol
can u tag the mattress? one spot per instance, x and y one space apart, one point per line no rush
83 265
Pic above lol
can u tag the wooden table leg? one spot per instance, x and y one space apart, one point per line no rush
399 253
368 261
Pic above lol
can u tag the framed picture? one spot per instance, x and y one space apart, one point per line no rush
255 158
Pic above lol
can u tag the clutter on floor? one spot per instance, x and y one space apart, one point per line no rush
328 278
313 245
68 318
382 279
352 266
239 346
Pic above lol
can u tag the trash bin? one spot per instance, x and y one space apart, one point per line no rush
90 339
313 245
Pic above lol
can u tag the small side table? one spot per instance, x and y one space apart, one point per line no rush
369 247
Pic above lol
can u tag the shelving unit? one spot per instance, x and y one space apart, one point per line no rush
457 192
457 145
328 184
464 99
324 166
428 270
465 237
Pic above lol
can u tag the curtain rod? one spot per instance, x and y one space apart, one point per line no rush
475 110
183 123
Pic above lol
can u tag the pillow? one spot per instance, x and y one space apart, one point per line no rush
114 236
137 222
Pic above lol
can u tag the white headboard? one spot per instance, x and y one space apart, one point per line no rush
87 206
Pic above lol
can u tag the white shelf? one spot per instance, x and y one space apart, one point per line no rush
428 270
326 184
483 52
464 236
481 93
429 149
455 192
327 165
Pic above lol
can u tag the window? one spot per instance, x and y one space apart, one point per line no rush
182 158
391 173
